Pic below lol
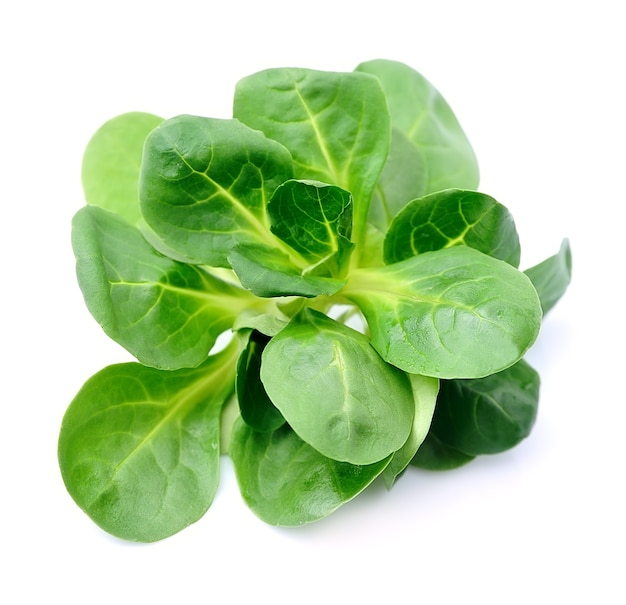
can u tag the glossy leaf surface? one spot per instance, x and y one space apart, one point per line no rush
335 391
552 276
452 313
255 406
268 272
112 161
335 125
167 314
205 184
139 447
315 219
421 113
286 482
488 415
450 218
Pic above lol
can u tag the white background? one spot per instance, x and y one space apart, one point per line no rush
539 89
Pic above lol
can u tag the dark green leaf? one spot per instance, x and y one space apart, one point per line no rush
139 447
419 112
111 163
255 406
335 125
167 314
286 482
335 391
314 219
451 313
450 218
205 184
552 276
488 415
433 455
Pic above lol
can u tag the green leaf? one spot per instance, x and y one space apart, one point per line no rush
488 415
421 113
403 179
450 218
315 219
335 391
255 406
335 125
451 313
269 324
267 272
434 455
425 391
167 314
139 447
284 481
205 184
552 276
111 163
343 195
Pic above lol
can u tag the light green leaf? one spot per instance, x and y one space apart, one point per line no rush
552 276
403 179
335 391
167 314
421 113
139 447
205 184
266 323
451 313
450 218
425 391
286 482
111 163
335 125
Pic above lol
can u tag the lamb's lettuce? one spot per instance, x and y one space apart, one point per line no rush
450 218
336 126
429 149
314 283
335 391
111 163
287 482
450 313
139 447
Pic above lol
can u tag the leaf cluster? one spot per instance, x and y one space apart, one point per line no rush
314 286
